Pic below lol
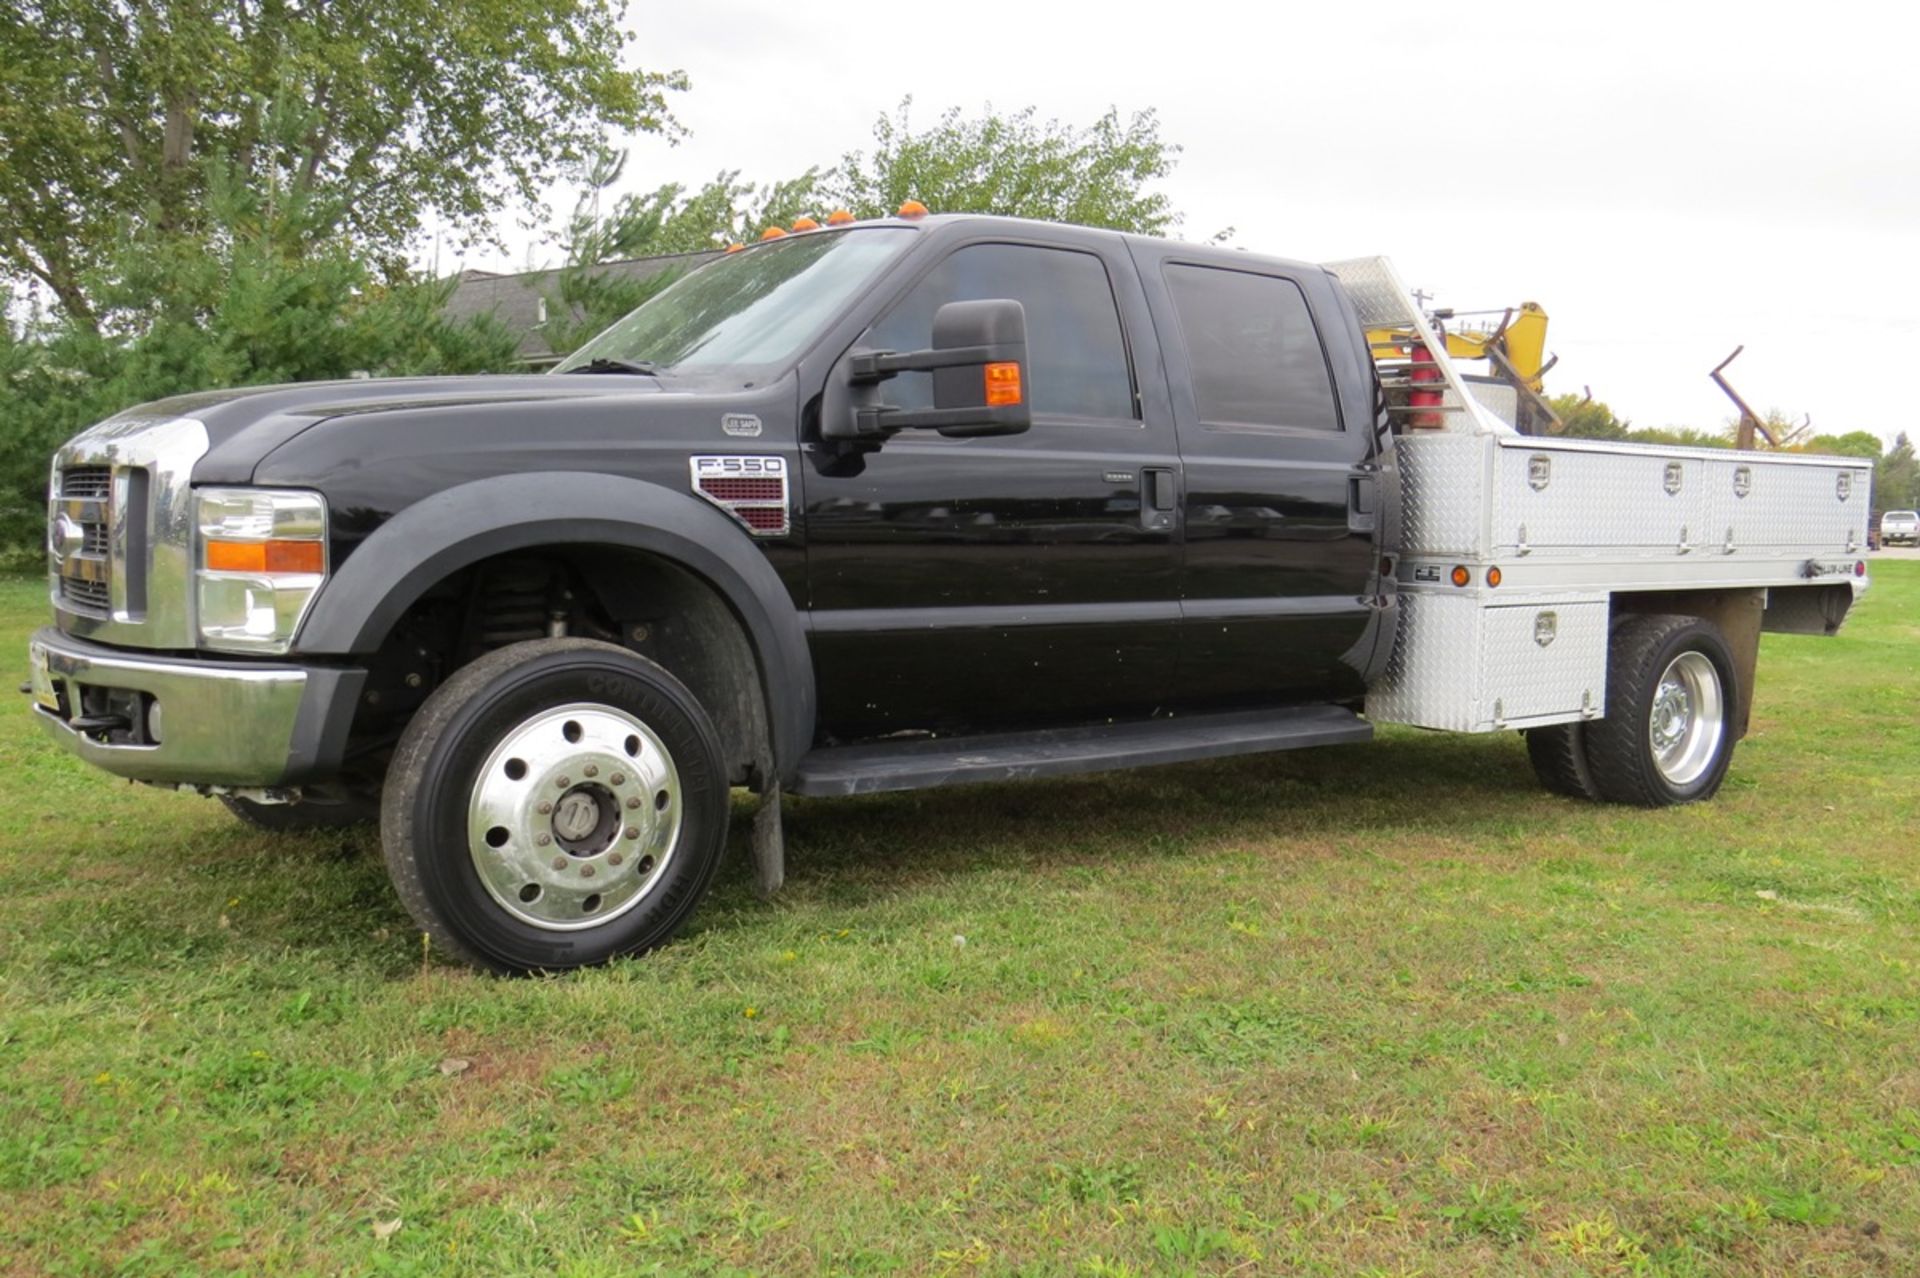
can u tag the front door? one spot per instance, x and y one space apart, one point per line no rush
1279 595
1010 581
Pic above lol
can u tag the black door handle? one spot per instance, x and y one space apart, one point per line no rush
1158 496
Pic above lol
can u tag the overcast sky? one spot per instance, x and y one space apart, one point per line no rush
1668 180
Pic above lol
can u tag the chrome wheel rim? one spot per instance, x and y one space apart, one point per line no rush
574 817
1688 720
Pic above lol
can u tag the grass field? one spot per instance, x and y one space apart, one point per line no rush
1384 1009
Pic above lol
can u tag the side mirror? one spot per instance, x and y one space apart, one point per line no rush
979 366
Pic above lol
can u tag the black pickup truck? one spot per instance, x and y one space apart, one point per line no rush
885 505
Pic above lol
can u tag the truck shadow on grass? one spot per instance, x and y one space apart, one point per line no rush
1413 782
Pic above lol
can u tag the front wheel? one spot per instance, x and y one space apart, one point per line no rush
1668 735
553 805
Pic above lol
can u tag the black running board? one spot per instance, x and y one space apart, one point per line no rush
920 762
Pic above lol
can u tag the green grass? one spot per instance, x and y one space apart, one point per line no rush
1385 1009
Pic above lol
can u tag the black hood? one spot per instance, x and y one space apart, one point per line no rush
247 423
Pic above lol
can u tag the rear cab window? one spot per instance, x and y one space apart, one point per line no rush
1256 358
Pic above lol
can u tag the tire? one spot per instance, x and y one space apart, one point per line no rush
1559 757
321 812
553 805
1668 734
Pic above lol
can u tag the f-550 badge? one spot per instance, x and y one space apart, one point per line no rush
751 489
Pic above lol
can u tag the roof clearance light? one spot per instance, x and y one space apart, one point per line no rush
913 208
839 217
735 248
773 233
805 224
1003 384
1461 576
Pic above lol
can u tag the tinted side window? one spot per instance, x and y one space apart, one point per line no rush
1255 354
1076 357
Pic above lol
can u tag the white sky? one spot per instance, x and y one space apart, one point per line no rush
1668 180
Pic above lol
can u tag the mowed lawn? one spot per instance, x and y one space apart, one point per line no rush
1384 1009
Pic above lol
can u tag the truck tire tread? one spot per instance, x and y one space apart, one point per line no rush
1559 757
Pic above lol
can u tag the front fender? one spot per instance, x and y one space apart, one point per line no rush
436 537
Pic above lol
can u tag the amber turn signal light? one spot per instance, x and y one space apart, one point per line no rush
1461 576
267 556
1003 384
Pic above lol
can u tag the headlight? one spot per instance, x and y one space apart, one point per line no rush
262 558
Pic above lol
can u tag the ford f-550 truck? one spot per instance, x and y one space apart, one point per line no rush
899 503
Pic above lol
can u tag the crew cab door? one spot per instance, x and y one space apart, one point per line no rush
1010 581
1281 499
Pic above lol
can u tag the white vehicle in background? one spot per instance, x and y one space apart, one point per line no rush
1899 526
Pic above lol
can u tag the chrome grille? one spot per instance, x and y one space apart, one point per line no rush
120 531
83 536
87 481
84 593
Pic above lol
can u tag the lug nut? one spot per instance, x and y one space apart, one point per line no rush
618 778
634 802
633 832
414 680
544 808
559 863
591 770
543 839
614 859
586 871
563 782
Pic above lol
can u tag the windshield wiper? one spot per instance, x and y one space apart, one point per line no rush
601 364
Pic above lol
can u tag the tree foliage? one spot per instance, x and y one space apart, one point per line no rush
250 313
1014 165
115 114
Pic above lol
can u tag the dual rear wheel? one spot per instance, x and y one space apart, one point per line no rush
1669 731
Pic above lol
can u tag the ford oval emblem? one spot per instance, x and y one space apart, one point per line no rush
66 537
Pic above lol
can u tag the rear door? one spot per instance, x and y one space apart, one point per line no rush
1280 487
1014 581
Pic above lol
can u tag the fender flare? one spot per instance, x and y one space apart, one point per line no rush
439 535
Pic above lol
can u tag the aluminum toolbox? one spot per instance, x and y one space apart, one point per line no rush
1546 530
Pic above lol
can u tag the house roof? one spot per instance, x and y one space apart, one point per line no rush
514 300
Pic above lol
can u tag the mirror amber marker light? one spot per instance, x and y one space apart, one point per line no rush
1003 384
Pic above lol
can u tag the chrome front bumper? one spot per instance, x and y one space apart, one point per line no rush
219 722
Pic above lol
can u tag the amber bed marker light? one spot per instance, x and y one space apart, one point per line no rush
1493 576
1461 576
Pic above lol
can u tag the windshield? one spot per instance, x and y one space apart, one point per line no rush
753 309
